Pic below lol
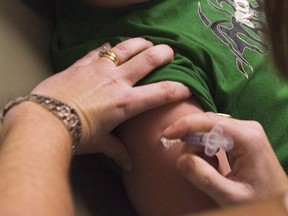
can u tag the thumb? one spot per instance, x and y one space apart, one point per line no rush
205 177
114 148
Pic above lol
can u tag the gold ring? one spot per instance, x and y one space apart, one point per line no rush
104 52
224 115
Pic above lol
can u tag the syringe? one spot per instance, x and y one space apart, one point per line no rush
211 141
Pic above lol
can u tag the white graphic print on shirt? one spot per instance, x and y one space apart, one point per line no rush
239 26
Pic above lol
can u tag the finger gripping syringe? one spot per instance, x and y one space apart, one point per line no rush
211 141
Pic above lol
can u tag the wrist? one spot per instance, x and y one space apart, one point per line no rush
62 111
30 122
35 152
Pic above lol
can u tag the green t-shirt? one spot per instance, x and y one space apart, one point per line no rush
220 53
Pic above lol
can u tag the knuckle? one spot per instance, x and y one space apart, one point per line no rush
256 130
186 123
206 181
168 90
212 116
152 57
256 125
122 47
254 134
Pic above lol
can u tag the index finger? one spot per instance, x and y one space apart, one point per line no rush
191 123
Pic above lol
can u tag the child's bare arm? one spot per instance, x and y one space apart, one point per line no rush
155 187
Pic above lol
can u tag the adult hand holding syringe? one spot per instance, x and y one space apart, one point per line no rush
255 170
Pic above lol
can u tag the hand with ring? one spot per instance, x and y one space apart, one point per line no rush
105 52
103 94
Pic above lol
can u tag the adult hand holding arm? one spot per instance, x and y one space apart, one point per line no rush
104 96
255 170
35 151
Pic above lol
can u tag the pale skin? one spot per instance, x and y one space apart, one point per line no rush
35 151
256 172
155 186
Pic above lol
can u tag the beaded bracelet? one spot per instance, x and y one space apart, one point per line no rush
63 111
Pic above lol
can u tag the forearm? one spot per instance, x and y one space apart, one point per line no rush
34 162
